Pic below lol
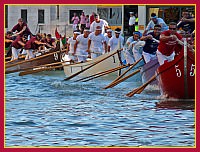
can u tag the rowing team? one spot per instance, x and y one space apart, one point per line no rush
163 46
29 46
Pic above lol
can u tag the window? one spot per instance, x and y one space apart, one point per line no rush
24 15
71 14
57 11
6 16
41 16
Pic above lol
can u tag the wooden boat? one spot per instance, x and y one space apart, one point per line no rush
19 65
109 63
148 70
174 80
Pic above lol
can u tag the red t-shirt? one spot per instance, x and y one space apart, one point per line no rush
91 19
167 47
31 44
18 28
15 43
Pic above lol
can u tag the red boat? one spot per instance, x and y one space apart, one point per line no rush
174 80
148 70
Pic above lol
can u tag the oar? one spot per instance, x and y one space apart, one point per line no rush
117 68
122 79
36 70
32 67
119 77
32 59
141 88
75 74
105 73
20 57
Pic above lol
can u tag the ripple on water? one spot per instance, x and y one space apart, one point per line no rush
44 110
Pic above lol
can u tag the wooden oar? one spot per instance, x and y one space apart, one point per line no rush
119 77
36 58
75 74
36 70
105 73
122 79
117 68
32 67
141 88
20 57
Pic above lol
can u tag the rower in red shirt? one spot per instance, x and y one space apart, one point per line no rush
33 44
21 28
17 45
168 43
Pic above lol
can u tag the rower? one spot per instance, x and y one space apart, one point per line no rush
116 42
21 28
33 44
81 45
8 42
95 43
70 45
150 47
17 45
51 43
168 43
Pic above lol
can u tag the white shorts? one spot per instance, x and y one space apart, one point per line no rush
162 58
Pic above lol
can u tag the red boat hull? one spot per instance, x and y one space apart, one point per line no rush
171 77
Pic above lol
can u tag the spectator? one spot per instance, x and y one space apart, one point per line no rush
87 21
92 18
131 23
136 22
75 20
83 21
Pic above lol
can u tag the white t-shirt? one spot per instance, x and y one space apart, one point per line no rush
114 42
71 43
96 42
83 42
102 24
160 21
131 20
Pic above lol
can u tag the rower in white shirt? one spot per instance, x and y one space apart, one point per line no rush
116 42
108 36
81 45
70 45
98 22
95 43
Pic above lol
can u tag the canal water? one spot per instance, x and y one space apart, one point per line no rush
44 110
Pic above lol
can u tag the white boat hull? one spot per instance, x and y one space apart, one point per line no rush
109 63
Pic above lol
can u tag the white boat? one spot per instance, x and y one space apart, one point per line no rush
111 62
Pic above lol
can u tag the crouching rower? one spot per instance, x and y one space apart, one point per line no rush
17 45
33 44
150 47
168 43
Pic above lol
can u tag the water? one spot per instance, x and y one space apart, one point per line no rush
44 110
